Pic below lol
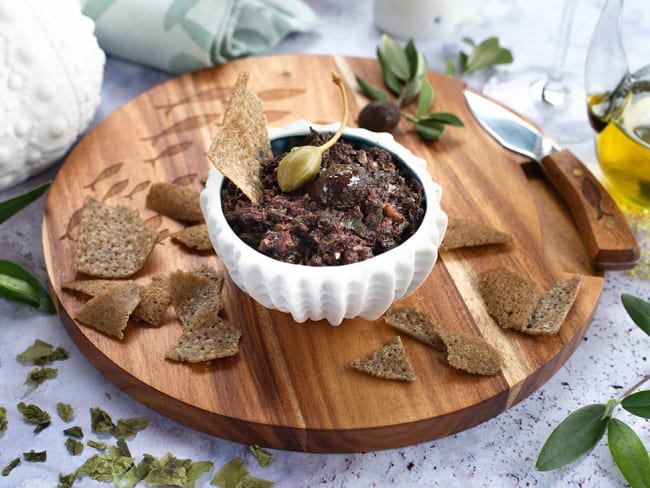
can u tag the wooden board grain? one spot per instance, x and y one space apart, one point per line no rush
291 387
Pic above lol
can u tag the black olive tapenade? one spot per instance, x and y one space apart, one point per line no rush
361 204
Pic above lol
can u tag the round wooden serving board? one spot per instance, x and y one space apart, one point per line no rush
290 386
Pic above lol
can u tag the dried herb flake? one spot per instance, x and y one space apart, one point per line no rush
100 446
65 411
41 353
74 446
263 456
35 456
34 415
38 375
9 467
100 421
128 428
75 431
230 474
3 420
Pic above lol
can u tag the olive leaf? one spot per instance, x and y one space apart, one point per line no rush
425 100
13 205
638 310
638 404
17 284
629 453
396 58
372 91
487 53
483 55
573 437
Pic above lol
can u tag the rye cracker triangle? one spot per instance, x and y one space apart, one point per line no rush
243 140
388 362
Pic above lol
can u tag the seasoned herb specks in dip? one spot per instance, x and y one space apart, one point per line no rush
361 204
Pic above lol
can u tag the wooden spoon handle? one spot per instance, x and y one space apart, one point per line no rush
605 230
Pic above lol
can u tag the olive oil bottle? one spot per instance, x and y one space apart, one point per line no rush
622 125
618 103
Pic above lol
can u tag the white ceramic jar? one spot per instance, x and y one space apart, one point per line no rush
424 19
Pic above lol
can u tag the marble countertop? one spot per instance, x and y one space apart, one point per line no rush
498 453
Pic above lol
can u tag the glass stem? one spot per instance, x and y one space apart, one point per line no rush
561 47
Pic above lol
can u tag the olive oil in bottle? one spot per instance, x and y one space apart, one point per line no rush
623 142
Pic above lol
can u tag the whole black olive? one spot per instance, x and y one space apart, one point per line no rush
341 186
379 116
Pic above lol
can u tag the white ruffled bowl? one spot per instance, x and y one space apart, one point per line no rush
364 289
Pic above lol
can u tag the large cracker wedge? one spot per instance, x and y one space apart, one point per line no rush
90 287
471 353
155 299
416 323
243 140
554 306
465 352
154 296
466 233
388 362
209 337
192 291
109 311
113 242
510 298
195 237
175 201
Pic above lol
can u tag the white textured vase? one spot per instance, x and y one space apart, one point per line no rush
364 289
51 71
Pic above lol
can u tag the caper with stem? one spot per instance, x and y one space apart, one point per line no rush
302 164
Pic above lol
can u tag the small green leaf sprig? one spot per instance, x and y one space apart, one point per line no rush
404 71
483 55
578 434
16 283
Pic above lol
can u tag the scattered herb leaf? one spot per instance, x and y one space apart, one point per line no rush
74 446
105 467
3 420
249 481
18 284
100 421
35 456
34 415
263 456
13 205
10 467
38 375
170 470
65 411
75 431
629 453
128 428
230 474
41 353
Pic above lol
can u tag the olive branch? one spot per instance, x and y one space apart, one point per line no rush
579 433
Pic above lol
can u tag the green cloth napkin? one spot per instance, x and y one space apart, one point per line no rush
185 35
